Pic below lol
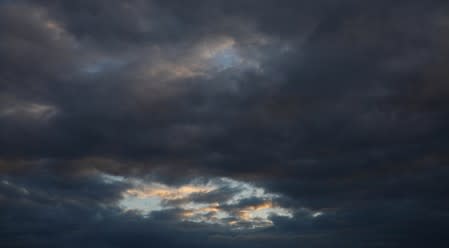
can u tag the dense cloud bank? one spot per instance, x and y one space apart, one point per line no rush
338 108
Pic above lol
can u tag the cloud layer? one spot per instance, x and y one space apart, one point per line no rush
336 111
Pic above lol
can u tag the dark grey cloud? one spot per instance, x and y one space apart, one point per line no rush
338 106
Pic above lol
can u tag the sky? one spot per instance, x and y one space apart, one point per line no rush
224 123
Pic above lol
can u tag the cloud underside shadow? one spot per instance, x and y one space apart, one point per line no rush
237 123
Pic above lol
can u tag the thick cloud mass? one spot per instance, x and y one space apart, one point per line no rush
328 120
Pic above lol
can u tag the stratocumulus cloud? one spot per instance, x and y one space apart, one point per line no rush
222 123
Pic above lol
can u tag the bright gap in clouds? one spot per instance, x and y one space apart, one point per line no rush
221 201
226 58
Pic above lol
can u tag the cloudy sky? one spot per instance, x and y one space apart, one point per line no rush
224 123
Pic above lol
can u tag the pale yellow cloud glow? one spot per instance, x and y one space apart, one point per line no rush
259 215
168 71
210 49
167 193
201 60
230 211
247 213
